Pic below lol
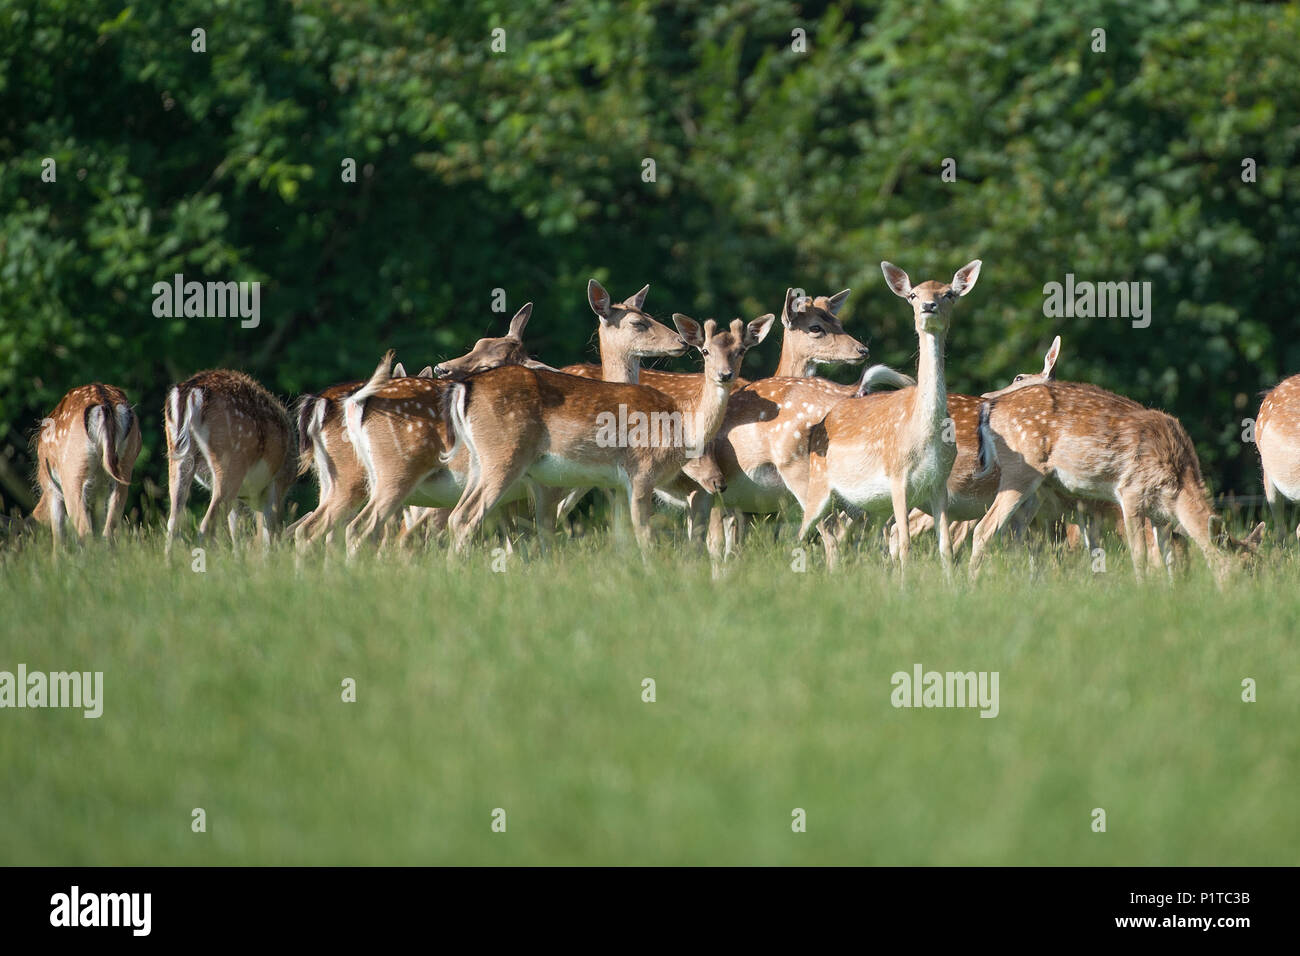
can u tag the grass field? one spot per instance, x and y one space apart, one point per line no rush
522 690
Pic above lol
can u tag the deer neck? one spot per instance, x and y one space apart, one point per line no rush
704 416
931 406
617 365
792 364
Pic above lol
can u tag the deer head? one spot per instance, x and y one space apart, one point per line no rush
932 301
1048 374
814 335
491 353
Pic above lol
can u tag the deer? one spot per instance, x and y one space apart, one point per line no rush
1092 444
757 447
1277 438
235 437
324 443
553 429
888 450
969 496
619 328
86 446
402 433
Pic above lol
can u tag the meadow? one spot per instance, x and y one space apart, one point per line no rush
522 690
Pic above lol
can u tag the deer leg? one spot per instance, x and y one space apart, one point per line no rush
74 500
898 492
1163 546
640 503
58 518
1134 533
116 505
543 515
828 528
960 531
939 506
180 475
1276 505
1004 506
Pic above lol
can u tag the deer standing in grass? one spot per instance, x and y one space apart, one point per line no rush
87 445
1277 436
1098 446
889 450
553 429
760 444
970 494
324 442
402 432
235 437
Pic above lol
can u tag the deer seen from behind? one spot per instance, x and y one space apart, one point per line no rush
236 439
85 449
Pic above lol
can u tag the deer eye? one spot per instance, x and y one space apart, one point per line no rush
640 326
1019 378
950 294
704 351
816 330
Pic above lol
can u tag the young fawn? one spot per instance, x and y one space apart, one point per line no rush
553 429
888 449
1098 446
1277 437
235 437
86 446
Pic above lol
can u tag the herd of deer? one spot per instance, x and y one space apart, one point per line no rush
451 444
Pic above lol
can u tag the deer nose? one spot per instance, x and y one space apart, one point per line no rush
863 351
726 376
930 306
439 371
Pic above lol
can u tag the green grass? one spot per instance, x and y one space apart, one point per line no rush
522 690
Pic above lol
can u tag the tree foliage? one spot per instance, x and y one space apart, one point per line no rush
522 170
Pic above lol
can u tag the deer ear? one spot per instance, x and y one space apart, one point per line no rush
598 299
426 372
689 330
897 279
1049 361
399 370
1255 538
788 309
520 322
963 280
638 301
757 330
836 302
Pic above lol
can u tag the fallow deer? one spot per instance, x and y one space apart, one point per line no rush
545 427
1098 446
324 442
235 437
887 450
969 494
1277 437
759 445
400 430
87 445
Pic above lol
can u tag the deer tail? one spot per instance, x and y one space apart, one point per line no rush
988 455
879 375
